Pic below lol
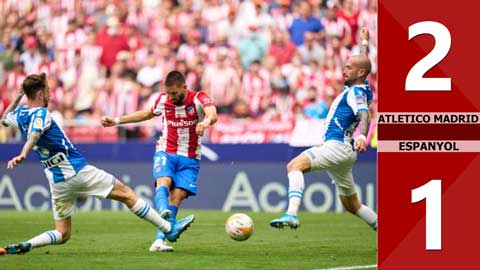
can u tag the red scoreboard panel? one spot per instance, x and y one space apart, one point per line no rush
429 134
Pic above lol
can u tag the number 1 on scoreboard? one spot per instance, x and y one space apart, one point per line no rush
432 192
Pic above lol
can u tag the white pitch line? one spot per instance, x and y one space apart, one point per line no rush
350 267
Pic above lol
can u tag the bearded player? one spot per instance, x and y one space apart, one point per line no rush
186 115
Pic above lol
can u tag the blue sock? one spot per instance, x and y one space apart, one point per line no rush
174 210
160 235
160 199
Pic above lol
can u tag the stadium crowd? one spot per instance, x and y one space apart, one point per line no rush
262 61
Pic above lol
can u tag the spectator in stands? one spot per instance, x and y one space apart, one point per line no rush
230 27
293 72
31 57
252 48
222 83
112 41
241 109
91 53
350 15
263 20
56 90
281 47
151 73
14 79
194 77
45 42
314 107
311 49
337 26
128 92
165 58
7 52
281 14
283 100
305 22
212 14
192 49
70 75
256 88
333 73
335 49
105 99
45 65
200 26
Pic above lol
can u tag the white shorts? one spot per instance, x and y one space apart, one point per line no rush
89 181
337 159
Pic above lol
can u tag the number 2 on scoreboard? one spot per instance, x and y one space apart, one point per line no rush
443 41
432 192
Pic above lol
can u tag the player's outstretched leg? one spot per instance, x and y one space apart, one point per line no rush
296 184
159 244
138 206
160 200
179 227
295 194
60 235
18 248
285 220
354 206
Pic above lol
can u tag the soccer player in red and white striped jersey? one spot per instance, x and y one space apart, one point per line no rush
186 115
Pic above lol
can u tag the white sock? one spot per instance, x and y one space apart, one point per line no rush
296 184
144 211
46 238
368 216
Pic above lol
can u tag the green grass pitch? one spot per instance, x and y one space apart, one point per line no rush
120 240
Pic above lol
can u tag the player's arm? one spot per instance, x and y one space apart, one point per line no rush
361 140
31 142
364 40
134 117
209 119
12 107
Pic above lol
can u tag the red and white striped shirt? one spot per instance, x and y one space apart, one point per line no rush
12 83
255 87
179 136
50 68
14 80
338 27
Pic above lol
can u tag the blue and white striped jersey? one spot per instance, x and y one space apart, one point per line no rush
343 119
59 157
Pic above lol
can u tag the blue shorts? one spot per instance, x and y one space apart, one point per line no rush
182 170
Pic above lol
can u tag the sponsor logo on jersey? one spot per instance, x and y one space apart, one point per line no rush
38 123
55 160
44 152
182 123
